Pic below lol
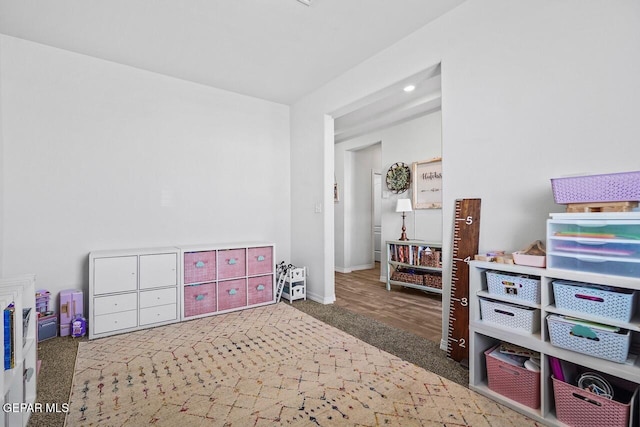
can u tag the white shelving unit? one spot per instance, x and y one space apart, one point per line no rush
295 284
484 335
222 277
132 289
19 383
402 255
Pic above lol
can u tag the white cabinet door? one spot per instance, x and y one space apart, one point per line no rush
115 274
158 270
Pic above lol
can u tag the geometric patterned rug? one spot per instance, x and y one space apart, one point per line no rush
271 365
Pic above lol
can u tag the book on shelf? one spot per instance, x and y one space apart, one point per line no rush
8 328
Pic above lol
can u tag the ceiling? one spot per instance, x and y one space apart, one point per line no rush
277 50
390 106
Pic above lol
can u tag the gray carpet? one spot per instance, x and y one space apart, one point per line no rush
58 355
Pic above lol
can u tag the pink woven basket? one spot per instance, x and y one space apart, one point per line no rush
613 187
579 408
519 384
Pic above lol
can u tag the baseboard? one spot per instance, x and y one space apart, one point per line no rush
319 299
363 267
354 268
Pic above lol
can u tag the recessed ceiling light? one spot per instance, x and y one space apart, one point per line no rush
409 88
307 2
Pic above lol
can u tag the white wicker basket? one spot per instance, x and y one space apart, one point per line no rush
517 287
596 301
510 315
589 339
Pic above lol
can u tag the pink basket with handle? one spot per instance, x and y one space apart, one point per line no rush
580 408
516 383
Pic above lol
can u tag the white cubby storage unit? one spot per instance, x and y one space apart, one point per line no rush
218 278
135 289
295 284
19 383
132 289
485 335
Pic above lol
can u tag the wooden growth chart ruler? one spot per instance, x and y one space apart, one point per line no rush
466 236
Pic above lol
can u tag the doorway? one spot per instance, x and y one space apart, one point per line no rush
376 217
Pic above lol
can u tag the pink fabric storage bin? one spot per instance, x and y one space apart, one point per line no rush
260 260
232 263
519 384
199 299
260 289
199 267
579 408
232 294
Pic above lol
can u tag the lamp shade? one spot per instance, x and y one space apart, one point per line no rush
403 205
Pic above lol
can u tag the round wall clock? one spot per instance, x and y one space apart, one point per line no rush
398 177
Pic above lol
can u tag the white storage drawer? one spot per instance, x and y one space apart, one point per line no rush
158 297
162 313
602 341
115 321
595 300
115 304
603 244
510 316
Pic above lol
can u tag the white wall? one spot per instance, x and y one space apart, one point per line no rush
354 211
415 140
531 91
99 155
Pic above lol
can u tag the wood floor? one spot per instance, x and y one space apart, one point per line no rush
409 309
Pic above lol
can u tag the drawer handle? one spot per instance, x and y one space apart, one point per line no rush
260 287
232 291
200 297
200 264
589 297
590 259
580 331
232 261
510 371
586 399
503 312
261 258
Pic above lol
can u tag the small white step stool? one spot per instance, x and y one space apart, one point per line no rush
295 284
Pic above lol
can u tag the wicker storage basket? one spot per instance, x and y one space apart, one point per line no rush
510 315
430 259
433 280
516 383
591 340
517 287
407 277
596 301
613 187
577 407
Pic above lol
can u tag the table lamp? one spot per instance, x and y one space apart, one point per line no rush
404 206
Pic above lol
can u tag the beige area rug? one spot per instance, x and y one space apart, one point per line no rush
272 365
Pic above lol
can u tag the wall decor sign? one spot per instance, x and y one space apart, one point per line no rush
427 184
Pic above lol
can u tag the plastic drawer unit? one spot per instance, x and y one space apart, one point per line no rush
595 243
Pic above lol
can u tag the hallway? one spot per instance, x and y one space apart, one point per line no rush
409 309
